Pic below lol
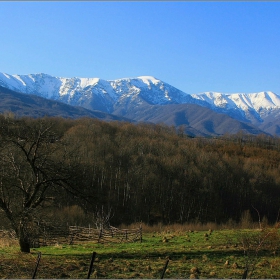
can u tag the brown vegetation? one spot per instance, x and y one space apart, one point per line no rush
139 173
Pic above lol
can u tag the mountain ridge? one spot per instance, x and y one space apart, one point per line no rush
123 96
29 105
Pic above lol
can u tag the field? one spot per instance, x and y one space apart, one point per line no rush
187 254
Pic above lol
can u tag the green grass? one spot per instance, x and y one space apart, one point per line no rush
220 255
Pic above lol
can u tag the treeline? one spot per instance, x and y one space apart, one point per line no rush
140 172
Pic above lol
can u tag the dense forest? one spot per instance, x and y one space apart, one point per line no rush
66 171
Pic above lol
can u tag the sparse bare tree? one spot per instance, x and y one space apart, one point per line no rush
29 169
102 218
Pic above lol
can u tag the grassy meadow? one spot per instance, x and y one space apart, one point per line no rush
192 254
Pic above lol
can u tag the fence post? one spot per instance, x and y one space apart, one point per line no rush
100 235
45 238
37 264
91 264
140 233
164 269
71 234
244 276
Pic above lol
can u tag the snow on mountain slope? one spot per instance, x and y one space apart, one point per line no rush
252 106
94 93
257 101
39 84
150 90
123 94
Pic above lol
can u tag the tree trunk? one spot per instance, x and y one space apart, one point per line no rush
23 240
24 245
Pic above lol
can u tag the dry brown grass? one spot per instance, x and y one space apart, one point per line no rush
7 242
179 228
7 239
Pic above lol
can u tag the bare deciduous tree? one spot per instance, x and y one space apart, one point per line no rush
102 218
29 169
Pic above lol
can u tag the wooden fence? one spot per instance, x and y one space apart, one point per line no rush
111 234
49 235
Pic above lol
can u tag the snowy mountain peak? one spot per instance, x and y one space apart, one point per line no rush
149 80
244 106
265 100
108 95
95 93
245 101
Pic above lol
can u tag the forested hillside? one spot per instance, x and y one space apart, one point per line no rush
148 173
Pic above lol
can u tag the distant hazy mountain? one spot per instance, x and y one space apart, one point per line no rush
149 99
197 120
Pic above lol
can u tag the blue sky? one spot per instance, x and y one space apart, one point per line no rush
194 46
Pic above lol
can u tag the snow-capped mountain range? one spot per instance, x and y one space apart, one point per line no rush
81 91
127 95
252 107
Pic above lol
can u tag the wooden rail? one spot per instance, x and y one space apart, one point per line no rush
111 234
47 236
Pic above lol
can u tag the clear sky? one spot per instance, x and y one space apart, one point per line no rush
195 46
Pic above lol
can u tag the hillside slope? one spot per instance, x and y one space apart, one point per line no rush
34 106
